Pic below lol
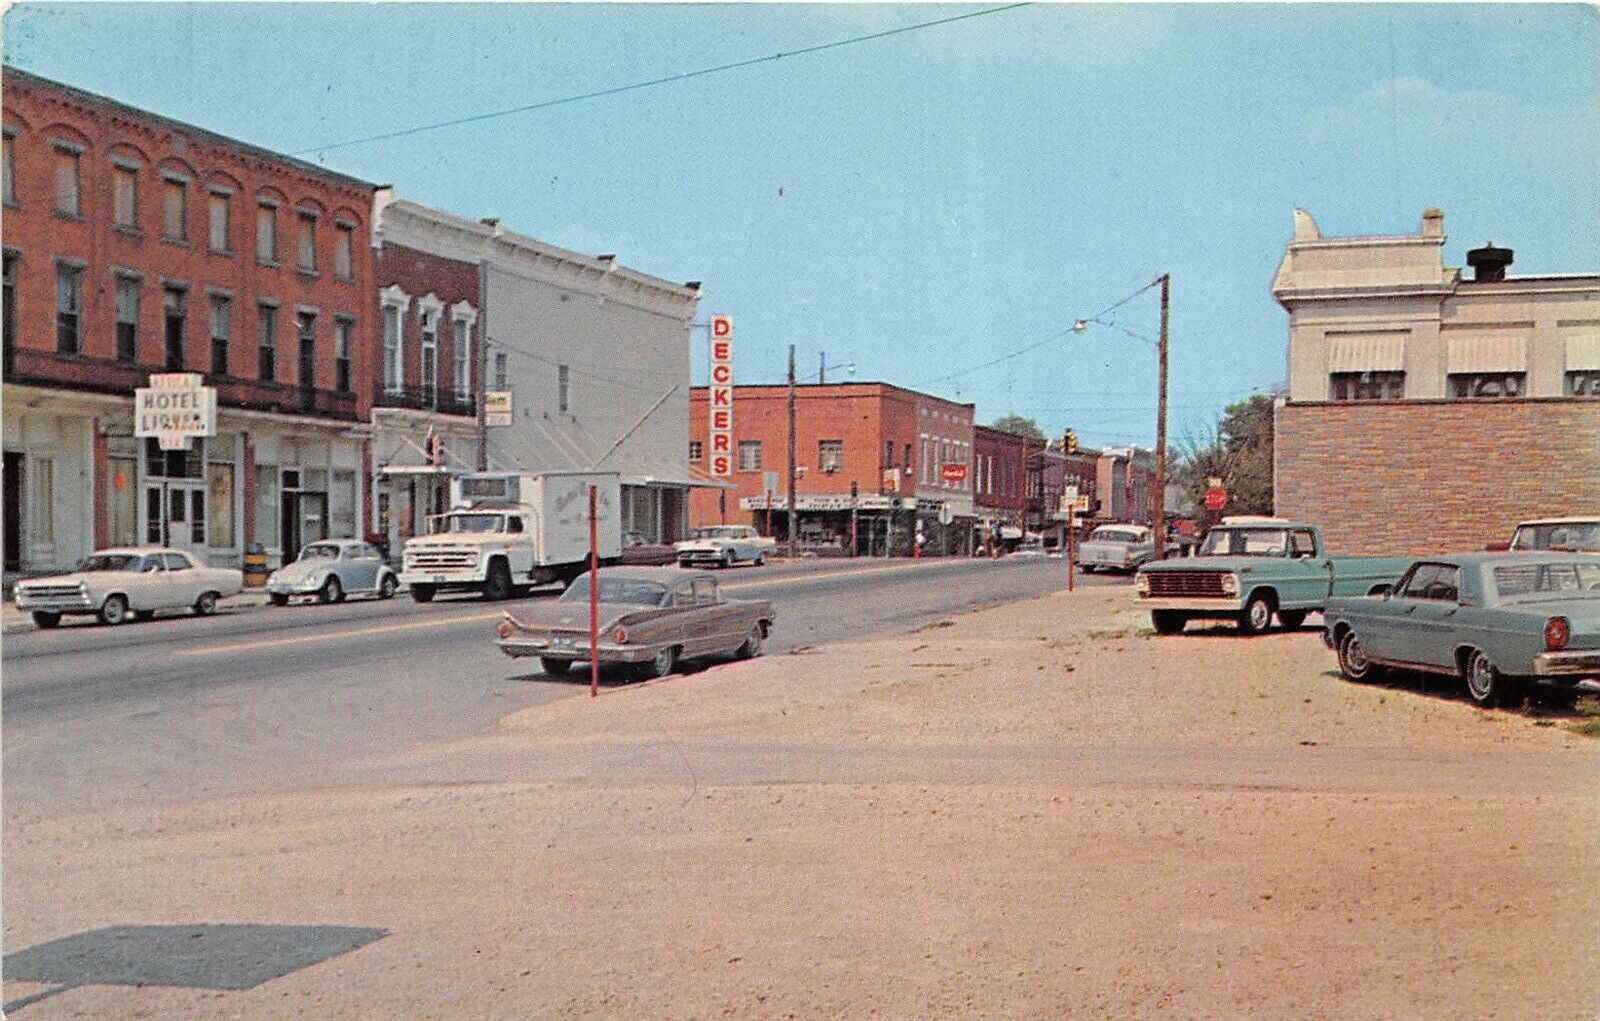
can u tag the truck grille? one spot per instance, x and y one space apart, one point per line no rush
1185 583
441 560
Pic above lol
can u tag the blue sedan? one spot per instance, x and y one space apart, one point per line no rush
1499 621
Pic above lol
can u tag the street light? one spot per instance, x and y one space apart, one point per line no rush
1160 509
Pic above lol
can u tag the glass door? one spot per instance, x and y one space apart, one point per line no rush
175 515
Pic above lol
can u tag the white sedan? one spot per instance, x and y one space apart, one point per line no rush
114 583
724 546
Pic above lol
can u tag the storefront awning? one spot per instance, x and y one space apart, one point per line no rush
669 479
415 469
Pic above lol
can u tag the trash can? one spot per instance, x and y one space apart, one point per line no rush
255 566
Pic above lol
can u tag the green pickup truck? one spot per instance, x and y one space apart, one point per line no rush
1248 569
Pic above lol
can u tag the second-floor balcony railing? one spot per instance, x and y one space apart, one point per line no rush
424 398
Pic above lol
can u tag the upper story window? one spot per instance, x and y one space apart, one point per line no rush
429 353
1583 383
8 182
697 450
267 233
460 371
69 307
127 318
749 455
393 372
830 455
221 332
306 242
1366 386
343 244
217 221
67 192
267 342
563 388
124 196
888 453
175 313
342 331
174 209
500 374
1488 384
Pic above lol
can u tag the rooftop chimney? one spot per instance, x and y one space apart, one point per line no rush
1489 263
1433 223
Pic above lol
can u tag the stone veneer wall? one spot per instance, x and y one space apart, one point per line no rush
1420 477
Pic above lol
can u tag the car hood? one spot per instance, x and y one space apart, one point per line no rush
303 570
75 578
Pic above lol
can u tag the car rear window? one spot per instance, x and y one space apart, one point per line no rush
1530 579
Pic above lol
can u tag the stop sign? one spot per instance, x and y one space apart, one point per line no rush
1216 498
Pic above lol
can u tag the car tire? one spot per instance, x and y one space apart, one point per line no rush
422 593
278 598
1167 622
555 667
1353 662
752 644
664 663
387 586
498 585
206 605
1486 685
1292 619
114 610
44 620
331 591
760 559
728 559
1256 616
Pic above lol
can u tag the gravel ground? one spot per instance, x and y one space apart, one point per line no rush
1037 811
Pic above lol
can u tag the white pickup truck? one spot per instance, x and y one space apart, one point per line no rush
508 532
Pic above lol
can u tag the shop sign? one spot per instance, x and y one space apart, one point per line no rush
496 408
175 409
720 396
954 473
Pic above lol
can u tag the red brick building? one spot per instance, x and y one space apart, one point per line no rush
424 382
892 445
137 245
1000 481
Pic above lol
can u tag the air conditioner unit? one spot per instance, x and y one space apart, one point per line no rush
830 469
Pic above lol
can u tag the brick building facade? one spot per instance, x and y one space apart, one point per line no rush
1000 473
1428 411
890 443
136 245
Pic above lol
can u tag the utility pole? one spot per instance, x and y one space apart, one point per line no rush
483 365
822 367
1161 430
790 515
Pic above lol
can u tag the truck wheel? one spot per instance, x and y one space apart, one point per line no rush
1292 619
555 667
498 586
1167 622
422 593
1256 616
44 620
1487 685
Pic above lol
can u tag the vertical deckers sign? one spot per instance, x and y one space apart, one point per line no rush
721 396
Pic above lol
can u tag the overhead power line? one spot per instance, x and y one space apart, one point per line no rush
653 82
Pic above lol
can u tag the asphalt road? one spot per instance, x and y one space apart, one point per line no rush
270 699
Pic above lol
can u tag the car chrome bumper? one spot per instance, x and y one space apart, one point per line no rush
1191 604
54 604
1572 663
520 647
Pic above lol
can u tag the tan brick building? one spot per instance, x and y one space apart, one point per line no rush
1429 410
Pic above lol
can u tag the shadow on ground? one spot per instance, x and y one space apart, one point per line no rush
204 956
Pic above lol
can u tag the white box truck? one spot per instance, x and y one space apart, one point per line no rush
506 532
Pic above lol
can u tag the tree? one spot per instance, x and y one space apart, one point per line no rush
1018 426
1239 452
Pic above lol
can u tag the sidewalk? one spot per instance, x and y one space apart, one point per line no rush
1035 811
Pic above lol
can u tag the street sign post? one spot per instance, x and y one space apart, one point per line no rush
496 408
1069 504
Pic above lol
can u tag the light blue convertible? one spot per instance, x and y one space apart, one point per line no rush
1496 620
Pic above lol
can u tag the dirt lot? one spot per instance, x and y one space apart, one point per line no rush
1035 812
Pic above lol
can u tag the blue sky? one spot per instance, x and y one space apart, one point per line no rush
920 204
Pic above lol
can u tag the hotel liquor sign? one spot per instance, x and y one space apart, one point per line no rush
175 409
720 397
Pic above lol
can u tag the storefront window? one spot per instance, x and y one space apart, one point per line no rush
173 464
41 512
219 492
266 523
342 505
122 501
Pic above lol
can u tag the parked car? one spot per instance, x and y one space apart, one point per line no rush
1117 548
332 569
725 545
114 583
1498 621
650 618
1248 569
641 552
1580 535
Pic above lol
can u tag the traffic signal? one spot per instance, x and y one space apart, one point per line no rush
1069 442
854 490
